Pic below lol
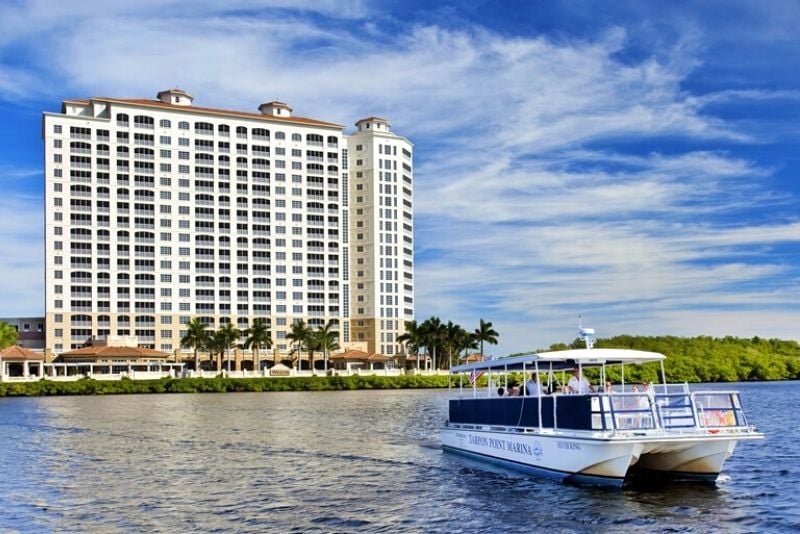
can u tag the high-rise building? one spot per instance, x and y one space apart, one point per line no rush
159 211
381 230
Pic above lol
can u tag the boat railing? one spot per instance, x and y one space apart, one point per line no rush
718 409
623 411
675 412
605 412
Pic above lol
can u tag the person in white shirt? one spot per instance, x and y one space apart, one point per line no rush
533 388
577 384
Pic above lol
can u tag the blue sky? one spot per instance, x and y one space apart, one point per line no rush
632 162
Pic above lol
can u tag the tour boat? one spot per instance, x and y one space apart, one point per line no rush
601 437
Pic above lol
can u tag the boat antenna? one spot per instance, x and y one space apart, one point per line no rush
586 334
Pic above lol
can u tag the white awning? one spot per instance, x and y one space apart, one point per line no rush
563 359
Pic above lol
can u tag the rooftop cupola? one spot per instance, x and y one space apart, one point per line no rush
375 124
276 109
177 97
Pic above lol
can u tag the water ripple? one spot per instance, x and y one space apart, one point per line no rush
360 461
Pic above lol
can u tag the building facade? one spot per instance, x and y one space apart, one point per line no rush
160 211
382 224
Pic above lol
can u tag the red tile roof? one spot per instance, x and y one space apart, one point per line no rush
351 355
16 352
114 352
213 111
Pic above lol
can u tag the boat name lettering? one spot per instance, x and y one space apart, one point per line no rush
569 445
501 444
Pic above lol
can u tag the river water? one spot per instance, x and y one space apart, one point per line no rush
350 461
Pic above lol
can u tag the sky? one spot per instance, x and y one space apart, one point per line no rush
631 162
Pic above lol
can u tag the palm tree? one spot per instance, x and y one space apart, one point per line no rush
258 335
196 338
412 339
298 335
467 341
228 336
453 336
433 334
313 344
328 339
215 344
486 333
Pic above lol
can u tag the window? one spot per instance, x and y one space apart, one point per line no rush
57 129
183 125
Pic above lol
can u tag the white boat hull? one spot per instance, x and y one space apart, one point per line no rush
693 460
595 460
554 456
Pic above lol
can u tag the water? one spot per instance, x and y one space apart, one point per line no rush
355 461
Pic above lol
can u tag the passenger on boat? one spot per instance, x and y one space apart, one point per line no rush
501 392
533 388
578 385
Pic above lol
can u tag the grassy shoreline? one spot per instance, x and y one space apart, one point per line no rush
44 388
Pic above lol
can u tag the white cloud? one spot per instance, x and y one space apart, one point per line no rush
22 261
528 210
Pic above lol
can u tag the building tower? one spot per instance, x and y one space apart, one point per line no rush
381 230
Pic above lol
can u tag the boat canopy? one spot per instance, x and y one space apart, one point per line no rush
562 359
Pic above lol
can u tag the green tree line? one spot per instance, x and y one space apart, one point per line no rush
705 358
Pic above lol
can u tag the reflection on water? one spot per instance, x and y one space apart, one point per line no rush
340 462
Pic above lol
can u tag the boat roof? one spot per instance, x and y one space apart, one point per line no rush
562 359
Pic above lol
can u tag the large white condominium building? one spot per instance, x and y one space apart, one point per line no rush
158 211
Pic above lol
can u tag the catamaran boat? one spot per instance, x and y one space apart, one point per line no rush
600 437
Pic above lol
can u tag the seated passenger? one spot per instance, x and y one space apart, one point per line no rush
501 392
533 388
578 385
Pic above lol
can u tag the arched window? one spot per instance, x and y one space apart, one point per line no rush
164 123
280 135
80 190
260 133
143 121
122 119
183 125
204 128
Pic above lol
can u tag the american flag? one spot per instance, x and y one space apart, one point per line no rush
474 375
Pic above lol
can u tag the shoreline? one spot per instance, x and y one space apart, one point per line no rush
88 386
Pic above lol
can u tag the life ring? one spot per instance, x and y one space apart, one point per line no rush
713 418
